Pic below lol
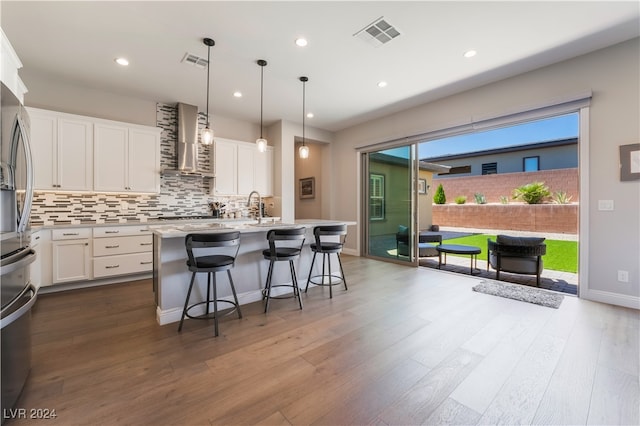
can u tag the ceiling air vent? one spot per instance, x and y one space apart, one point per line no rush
191 59
377 33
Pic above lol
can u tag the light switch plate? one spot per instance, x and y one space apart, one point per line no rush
605 205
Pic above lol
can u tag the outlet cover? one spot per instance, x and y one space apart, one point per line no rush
605 205
623 276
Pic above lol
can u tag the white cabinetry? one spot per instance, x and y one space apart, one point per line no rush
77 153
226 166
71 249
127 158
241 168
263 172
122 250
62 150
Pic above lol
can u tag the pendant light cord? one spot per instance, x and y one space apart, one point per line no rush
208 75
304 85
261 96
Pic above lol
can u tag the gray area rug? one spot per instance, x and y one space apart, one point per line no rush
521 293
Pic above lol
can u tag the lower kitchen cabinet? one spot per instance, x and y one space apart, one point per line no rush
130 252
106 254
71 253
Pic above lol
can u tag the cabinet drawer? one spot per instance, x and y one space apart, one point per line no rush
122 245
116 231
122 264
70 234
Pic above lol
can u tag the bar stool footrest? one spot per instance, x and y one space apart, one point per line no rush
338 278
212 315
287 296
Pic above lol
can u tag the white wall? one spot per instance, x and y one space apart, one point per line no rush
48 93
612 75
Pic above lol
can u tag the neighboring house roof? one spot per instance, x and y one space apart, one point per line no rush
512 148
424 165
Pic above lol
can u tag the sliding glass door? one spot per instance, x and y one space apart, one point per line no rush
390 199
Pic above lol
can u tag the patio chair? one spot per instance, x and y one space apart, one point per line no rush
518 255
428 240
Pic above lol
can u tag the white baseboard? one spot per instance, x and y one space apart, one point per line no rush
612 298
173 315
351 252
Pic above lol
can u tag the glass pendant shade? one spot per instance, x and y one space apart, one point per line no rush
262 144
303 151
206 137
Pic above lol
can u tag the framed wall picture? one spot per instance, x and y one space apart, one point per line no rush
422 186
308 187
630 162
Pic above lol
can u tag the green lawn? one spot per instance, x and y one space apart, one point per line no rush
561 255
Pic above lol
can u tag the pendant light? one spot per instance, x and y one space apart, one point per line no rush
206 137
303 151
261 142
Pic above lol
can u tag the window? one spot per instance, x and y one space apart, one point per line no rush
457 170
531 164
376 194
489 168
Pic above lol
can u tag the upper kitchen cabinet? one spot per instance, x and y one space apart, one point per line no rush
226 167
127 158
241 168
62 151
9 66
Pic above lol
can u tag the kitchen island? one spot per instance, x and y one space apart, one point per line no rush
171 276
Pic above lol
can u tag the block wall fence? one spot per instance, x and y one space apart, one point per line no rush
517 216
494 186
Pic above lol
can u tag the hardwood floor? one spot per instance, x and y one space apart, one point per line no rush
403 346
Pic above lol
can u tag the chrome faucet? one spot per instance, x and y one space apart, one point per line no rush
259 204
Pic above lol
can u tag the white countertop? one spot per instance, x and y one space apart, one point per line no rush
174 230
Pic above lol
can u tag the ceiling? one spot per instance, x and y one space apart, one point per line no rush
78 41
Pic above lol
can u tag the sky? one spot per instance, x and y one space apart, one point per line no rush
560 127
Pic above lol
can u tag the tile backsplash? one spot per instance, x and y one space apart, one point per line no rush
179 195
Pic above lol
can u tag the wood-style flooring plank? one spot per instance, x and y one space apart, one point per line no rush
391 350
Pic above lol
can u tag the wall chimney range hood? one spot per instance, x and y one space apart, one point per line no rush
187 144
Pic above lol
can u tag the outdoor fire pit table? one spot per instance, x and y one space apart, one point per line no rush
472 251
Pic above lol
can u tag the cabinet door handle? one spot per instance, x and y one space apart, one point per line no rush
111 232
145 244
67 234
112 266
146 263
116 246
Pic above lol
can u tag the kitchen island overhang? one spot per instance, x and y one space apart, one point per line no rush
171 276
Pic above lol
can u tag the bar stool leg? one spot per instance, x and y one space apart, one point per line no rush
344 280
330 278
296 290
186 302
215 301
267 286
208 291
310 270
235 296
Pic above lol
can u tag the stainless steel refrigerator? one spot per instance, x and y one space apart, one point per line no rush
18 295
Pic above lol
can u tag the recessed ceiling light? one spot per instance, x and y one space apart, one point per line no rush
237 94
301 42
470 53
309 115
382 84
122 61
